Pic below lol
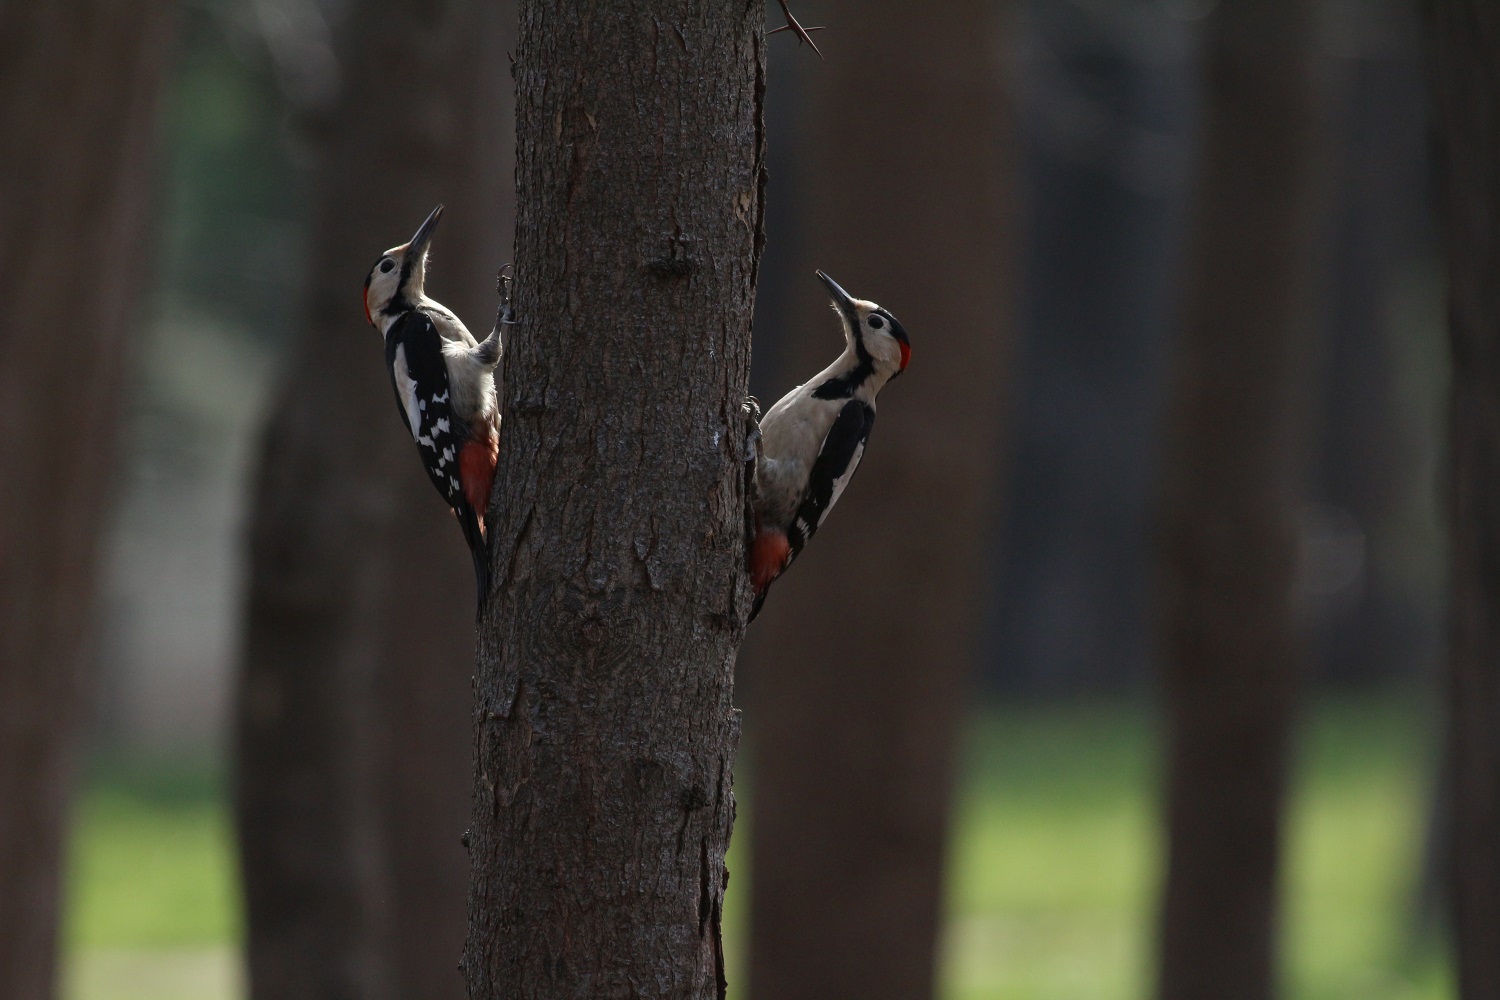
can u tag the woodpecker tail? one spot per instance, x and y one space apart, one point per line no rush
770 553
480 553
481 577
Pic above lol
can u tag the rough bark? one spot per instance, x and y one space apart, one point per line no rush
1228 545
861 658
1465 63
605 735
77 127
352 744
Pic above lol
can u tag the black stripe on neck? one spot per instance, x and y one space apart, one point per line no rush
846 385
399 302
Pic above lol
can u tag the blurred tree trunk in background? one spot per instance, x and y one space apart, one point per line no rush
354 709
80 83
605 733
1229 543
861 659
1465 62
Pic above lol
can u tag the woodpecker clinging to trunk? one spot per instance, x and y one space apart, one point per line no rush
445 385
813 438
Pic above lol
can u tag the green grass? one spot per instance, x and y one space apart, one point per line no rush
152 862
1057 855
1053 858
1360 812
1055 862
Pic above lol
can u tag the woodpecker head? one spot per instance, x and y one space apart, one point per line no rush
871 330
394 284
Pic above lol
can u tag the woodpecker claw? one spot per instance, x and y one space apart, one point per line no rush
504 279
751 408
754 449
795 27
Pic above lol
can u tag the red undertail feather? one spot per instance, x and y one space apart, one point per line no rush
768 556
476 470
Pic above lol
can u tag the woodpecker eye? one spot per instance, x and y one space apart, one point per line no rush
386 265
876 322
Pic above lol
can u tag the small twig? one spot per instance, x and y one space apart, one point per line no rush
795 27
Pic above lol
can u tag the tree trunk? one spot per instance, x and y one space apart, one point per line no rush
1465 60
605 736
77 128
353 746
862 656
1228 546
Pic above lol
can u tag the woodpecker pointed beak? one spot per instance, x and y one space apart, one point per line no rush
841 298
419 242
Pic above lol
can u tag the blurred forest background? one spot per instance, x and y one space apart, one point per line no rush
982 776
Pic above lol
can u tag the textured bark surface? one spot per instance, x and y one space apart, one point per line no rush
1465 63
1228 545
605 736
858 665
77 128
353 748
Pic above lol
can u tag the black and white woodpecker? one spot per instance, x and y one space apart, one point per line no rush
811 441
445 385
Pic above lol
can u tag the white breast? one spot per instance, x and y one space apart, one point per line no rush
792 434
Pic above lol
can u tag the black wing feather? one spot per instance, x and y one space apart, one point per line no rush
849 433
439 436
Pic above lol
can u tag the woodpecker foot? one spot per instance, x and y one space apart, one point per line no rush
795 27
754 449
752 456
504 280
751 408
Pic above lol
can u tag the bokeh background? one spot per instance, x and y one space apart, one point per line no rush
960 707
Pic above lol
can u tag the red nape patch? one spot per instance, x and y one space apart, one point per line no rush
368 318
476 471
905 356
768 555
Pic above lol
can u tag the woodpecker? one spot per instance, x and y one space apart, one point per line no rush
811 441
444 381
